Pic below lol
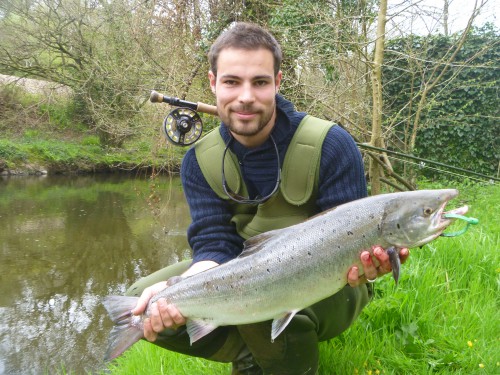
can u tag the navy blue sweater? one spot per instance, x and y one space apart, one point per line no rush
211 234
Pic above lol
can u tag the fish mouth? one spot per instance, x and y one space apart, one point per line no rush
441 221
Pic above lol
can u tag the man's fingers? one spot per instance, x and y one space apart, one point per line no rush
149 333
353 276
156 318
142 303
404 253
383 259
368 266
175 315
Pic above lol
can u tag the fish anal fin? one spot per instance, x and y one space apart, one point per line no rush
279 324
198 329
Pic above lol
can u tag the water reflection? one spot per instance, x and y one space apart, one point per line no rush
65 242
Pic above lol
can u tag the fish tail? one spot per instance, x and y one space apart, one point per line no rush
127 330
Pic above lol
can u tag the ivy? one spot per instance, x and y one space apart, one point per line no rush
459 123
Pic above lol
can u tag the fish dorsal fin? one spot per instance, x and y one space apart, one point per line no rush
279 324
255 243
174 280
197 329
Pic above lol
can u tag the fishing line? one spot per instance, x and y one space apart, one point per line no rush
422 165
423 162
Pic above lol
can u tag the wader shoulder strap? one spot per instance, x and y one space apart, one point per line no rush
209 152
301 166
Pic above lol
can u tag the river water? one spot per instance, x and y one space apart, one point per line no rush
66 242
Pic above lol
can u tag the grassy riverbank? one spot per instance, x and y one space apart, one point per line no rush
34 154
43 134
442 318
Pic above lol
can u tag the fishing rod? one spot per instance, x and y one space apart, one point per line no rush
183 127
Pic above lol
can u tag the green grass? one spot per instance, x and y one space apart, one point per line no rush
442 318
80 156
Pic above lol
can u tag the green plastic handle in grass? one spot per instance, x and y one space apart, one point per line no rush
470 221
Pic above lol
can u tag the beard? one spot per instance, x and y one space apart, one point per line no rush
251 127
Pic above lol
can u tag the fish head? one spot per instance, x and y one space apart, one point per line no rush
415 218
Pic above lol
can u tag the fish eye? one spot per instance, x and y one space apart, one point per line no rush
428 211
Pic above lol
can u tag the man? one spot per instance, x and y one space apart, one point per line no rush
234 189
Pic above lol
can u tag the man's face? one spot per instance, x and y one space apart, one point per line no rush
245 89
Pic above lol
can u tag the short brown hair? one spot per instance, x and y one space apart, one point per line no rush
247 36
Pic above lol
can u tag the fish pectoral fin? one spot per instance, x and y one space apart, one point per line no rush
197 329
279 324
395 262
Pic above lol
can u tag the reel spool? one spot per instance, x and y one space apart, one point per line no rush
182 126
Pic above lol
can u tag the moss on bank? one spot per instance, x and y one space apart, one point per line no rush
29 155
45 133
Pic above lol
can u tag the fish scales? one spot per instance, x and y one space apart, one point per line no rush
280 280
283 271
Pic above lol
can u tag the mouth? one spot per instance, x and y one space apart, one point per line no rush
442 219
245 115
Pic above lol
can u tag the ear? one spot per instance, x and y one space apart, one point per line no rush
277 81
212 78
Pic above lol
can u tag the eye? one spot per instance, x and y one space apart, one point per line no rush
261 83
428 211
230 82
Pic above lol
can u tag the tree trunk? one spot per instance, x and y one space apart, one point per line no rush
376 138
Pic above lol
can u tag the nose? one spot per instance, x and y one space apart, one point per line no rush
246 94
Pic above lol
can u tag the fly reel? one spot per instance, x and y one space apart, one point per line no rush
182 126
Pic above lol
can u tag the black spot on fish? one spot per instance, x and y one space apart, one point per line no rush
349 233
309 253
399 226
268 270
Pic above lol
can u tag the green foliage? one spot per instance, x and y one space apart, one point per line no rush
63 114
459 124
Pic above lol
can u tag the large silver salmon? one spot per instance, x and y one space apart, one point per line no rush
284 271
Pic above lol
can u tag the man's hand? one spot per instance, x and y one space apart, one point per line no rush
373 268
163 315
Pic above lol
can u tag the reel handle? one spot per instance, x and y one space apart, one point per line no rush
156 97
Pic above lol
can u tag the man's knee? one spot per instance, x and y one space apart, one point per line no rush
294 351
